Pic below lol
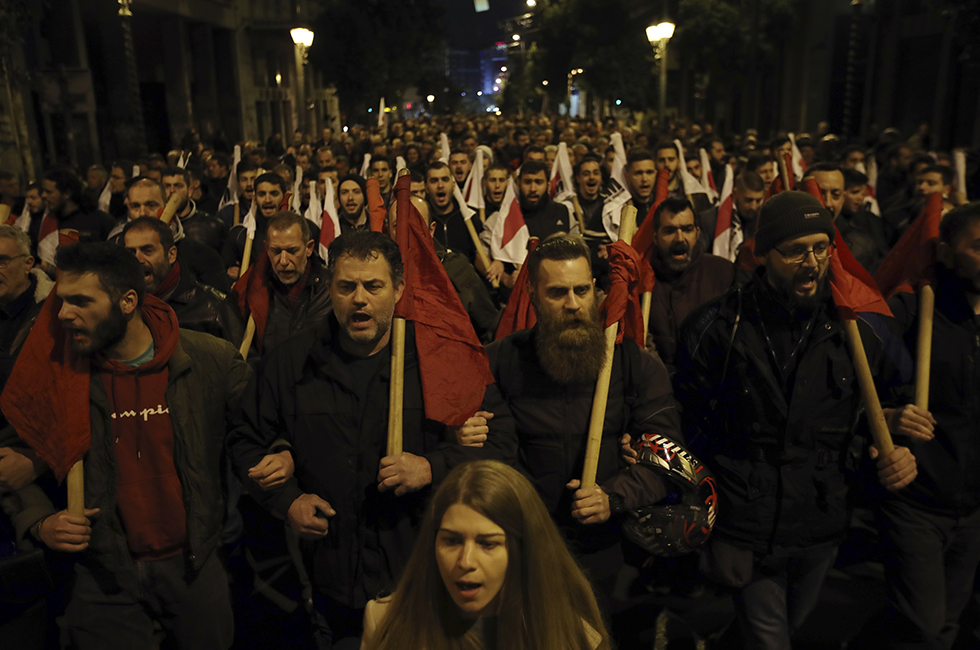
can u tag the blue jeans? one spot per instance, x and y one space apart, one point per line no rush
782 593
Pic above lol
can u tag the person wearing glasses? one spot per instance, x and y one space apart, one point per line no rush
769 401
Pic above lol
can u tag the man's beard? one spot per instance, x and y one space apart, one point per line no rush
352 217
105 334
794 300
528 207
159 273
676 266
570 355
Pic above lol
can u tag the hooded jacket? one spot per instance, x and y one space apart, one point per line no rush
150 503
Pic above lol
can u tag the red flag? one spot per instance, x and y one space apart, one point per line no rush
853 288
252 294
643 239
775 187
47 395
376 205
811 187
622 303
519 313
910 263
453 364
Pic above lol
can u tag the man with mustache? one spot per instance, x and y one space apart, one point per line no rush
325 393
770 397
931 529
547 376
687 276
146 546
352 204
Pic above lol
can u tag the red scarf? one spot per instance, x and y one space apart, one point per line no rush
169 283
295 291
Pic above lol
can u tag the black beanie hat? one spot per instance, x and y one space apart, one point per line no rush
357 178
789 215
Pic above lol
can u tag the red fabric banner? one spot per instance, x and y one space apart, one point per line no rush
643 240
453 364
622 303
519 313
375 205
910 264
252 294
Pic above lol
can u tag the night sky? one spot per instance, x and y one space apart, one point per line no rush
466 29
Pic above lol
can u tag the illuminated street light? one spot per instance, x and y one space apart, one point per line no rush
496 88
544 83
302 36
658 35
531 3
497 80
479 93
503 68
516 37
430 98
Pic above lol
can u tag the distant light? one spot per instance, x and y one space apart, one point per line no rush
531 3
499 113
370 110
516 37
430 98
496 88
503 68
345 129
278 78
618 102
408 106
489 109
580 71
301 36
479 93
544 83
462 94
387 109
497 80
660 32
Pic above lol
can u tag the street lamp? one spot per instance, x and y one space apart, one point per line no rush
531 3
430 98
516 37
302 39
659 35
132 80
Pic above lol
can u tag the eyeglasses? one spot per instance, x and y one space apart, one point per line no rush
5 261
797 254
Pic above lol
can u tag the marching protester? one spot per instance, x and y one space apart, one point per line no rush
285 292
196 224
491 569
159 398
770 397
324 394
197 306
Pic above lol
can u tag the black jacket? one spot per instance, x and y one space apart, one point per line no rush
302 393
204 309
949 464
552 423
472 293
311 312
204 228
777 445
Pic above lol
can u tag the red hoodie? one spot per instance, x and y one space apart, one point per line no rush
150 502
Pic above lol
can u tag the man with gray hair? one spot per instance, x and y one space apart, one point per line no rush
23 289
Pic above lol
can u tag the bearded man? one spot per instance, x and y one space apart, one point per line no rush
687 276
146 548
547 376
770 398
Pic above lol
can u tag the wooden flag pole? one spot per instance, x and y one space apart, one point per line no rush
923 361
170 211
627 228
784 173
250 326
879 428
76 490
238 214
483 215
645 301
396 394
578 215
479 248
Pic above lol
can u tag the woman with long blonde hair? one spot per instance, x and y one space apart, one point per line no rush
489 571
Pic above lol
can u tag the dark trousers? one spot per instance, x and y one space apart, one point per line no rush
336 626
930 564
117 611
782 593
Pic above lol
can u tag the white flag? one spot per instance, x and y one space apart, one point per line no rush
230 195
508 231
692 185
473 187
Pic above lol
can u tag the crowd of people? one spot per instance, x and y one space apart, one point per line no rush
230 370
